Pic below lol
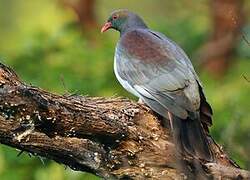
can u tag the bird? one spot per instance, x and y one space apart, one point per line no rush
154 68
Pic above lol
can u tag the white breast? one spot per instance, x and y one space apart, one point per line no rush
123 82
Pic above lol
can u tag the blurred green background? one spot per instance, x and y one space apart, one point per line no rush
43 42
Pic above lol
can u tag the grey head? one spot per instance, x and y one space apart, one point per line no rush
123 20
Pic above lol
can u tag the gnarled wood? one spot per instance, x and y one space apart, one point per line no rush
113 138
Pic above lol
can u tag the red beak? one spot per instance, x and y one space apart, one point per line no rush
106 26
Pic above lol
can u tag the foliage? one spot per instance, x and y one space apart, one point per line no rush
41 42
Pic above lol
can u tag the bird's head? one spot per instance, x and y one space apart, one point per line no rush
122 20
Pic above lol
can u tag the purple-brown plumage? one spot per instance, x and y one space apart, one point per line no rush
157 70
138 44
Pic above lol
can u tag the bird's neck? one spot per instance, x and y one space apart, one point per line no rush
137 23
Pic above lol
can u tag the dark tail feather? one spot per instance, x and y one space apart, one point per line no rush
191 139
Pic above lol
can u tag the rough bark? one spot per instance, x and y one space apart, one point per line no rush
227 21
113 138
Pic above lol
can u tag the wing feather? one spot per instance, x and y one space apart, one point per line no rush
170 79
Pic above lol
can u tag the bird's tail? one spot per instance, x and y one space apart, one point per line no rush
190 138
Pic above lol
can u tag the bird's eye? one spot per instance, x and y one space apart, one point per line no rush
115 17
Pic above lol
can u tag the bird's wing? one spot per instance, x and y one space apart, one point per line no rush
159 71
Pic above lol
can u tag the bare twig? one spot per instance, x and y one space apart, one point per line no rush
244 76
244 37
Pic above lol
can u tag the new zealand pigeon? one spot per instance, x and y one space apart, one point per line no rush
155 69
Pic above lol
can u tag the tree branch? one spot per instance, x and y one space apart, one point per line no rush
113 138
